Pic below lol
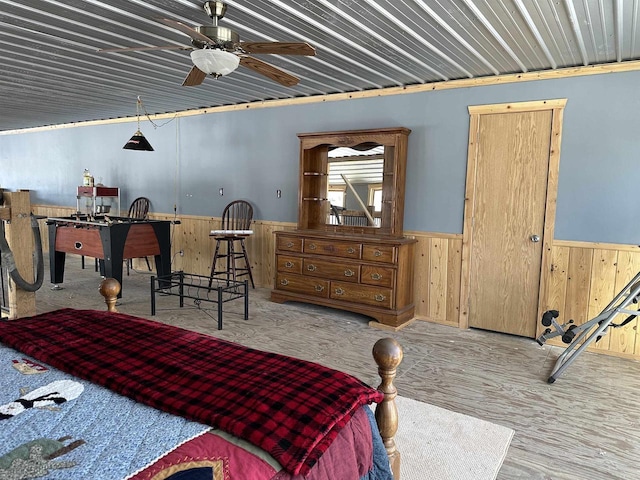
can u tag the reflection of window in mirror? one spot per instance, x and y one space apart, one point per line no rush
375 197
354 175
336 195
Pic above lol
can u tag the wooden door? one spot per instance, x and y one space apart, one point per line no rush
509 215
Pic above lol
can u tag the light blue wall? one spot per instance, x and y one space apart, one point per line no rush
253 153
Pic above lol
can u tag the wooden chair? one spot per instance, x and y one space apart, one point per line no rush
335 213
236 226
139 210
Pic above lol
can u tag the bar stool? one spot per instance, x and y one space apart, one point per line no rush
236 226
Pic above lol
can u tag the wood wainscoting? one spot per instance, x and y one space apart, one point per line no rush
583 279
191 236
436 277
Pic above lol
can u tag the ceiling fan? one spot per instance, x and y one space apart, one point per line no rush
217 50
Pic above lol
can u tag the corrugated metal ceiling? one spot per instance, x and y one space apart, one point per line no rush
51 72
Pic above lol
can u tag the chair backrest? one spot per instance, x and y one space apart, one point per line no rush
237 216
139 208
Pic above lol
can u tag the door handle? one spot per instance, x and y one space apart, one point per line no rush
534 238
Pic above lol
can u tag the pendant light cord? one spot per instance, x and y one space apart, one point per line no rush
140 105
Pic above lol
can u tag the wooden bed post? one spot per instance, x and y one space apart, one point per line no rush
109 289
388 354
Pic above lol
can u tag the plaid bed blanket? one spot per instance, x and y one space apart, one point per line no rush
291 408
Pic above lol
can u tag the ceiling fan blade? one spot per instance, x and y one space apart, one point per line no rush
280 76
141 49
279 48
194 77
185 29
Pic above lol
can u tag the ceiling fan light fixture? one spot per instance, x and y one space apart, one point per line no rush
214 61
138 142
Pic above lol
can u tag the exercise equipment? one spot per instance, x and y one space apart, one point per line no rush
579 337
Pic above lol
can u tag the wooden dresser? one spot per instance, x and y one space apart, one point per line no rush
367 275
366 267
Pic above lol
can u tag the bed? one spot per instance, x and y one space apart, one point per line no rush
89 391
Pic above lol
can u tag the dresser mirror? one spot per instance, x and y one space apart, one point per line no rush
353 182
355 177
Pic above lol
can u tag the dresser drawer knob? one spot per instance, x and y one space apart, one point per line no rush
339 291
319 288
289 244
288 264
312 246
351 250
349 273
377 253
311 267
376 276
284 282
379 298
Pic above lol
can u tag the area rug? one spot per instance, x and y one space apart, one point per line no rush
438 444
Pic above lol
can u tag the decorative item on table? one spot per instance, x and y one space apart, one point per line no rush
87 178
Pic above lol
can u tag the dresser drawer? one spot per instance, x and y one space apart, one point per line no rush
377 296
289 264
377 275
301 284
332 248
379 253
345 271
289 244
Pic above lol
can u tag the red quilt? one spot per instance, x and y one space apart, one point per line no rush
291 408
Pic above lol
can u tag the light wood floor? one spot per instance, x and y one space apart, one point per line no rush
585 426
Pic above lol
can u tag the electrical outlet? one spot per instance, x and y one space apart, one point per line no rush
221 191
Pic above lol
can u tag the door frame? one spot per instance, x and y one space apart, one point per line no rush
475 111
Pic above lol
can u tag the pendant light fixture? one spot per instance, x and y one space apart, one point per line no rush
138 141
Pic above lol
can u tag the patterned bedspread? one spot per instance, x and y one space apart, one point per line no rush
291 408
58 427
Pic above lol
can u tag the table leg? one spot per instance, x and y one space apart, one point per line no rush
163 260
56 259
219 308
246 299
113 240
153 295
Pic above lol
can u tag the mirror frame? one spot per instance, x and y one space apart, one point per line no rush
313 185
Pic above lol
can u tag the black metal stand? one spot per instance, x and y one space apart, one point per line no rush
200 289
